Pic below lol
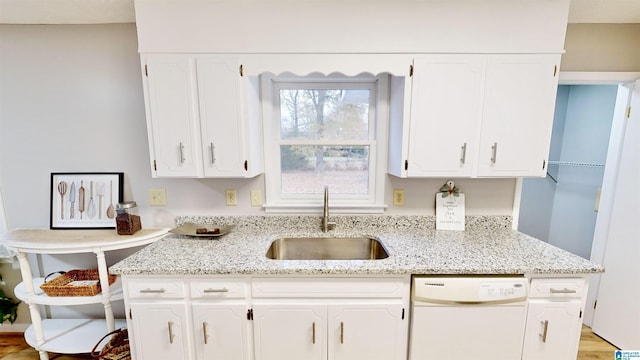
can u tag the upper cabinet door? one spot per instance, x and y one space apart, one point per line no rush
221 116
445 113
172 116
519 102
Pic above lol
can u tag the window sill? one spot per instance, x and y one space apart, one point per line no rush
317 209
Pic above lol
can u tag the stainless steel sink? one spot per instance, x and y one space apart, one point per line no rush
333 248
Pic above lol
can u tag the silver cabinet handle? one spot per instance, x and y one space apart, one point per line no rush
494 152
204 332
341 332
463 156
562 291
545 327
181 147
313 333
171 336
213 153
152 291
223 290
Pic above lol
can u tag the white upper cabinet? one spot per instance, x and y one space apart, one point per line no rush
198 117
172 116
445 113
475 116
220 95
517 117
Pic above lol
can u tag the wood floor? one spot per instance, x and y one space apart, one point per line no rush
13 347
592 347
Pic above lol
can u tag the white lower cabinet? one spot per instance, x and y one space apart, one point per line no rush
336 332
160 330
373 331
330 318
552 331
188 318
220 331
290 331
554 319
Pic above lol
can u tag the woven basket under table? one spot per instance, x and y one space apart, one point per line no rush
75 283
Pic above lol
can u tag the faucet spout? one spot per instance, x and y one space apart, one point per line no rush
326 224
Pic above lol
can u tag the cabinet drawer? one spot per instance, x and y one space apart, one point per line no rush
554 288
218 288
156 288
329 287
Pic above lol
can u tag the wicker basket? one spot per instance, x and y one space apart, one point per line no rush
75 283
117 348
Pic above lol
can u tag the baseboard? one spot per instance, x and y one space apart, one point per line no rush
13 328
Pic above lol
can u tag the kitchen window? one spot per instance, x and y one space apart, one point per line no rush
324 130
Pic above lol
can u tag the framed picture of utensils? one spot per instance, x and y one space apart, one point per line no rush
85 200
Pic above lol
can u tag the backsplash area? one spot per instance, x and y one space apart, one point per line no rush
345 223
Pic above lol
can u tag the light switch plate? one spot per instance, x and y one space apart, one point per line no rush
398 197
157 197
232 199
256 198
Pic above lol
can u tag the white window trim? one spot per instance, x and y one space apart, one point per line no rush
274 203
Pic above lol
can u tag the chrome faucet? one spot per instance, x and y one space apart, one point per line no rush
326 224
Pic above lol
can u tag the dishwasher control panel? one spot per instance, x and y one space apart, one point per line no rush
469 289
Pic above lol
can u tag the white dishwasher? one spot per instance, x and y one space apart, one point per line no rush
460 318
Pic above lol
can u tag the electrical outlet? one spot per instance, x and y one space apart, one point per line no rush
232 199
157 197
256 198
398 197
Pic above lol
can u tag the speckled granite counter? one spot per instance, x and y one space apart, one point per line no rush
488 246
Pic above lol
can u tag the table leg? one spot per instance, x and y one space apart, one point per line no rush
34 309
106 292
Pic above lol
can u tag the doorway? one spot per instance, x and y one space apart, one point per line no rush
561 209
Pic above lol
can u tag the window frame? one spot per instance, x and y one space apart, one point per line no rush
275 202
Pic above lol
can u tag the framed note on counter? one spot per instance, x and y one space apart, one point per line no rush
450 212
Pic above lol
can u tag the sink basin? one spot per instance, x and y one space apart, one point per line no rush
333 248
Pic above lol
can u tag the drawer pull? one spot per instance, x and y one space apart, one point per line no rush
545 327
341 332
563 291
152 291
204 332
313 333
223 290
171 336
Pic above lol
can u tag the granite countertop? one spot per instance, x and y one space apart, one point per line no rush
488 246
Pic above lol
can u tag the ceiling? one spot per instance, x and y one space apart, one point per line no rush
121 11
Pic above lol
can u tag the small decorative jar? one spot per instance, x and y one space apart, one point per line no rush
127 218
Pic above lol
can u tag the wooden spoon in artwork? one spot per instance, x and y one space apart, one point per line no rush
62 189
111 213
81 199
